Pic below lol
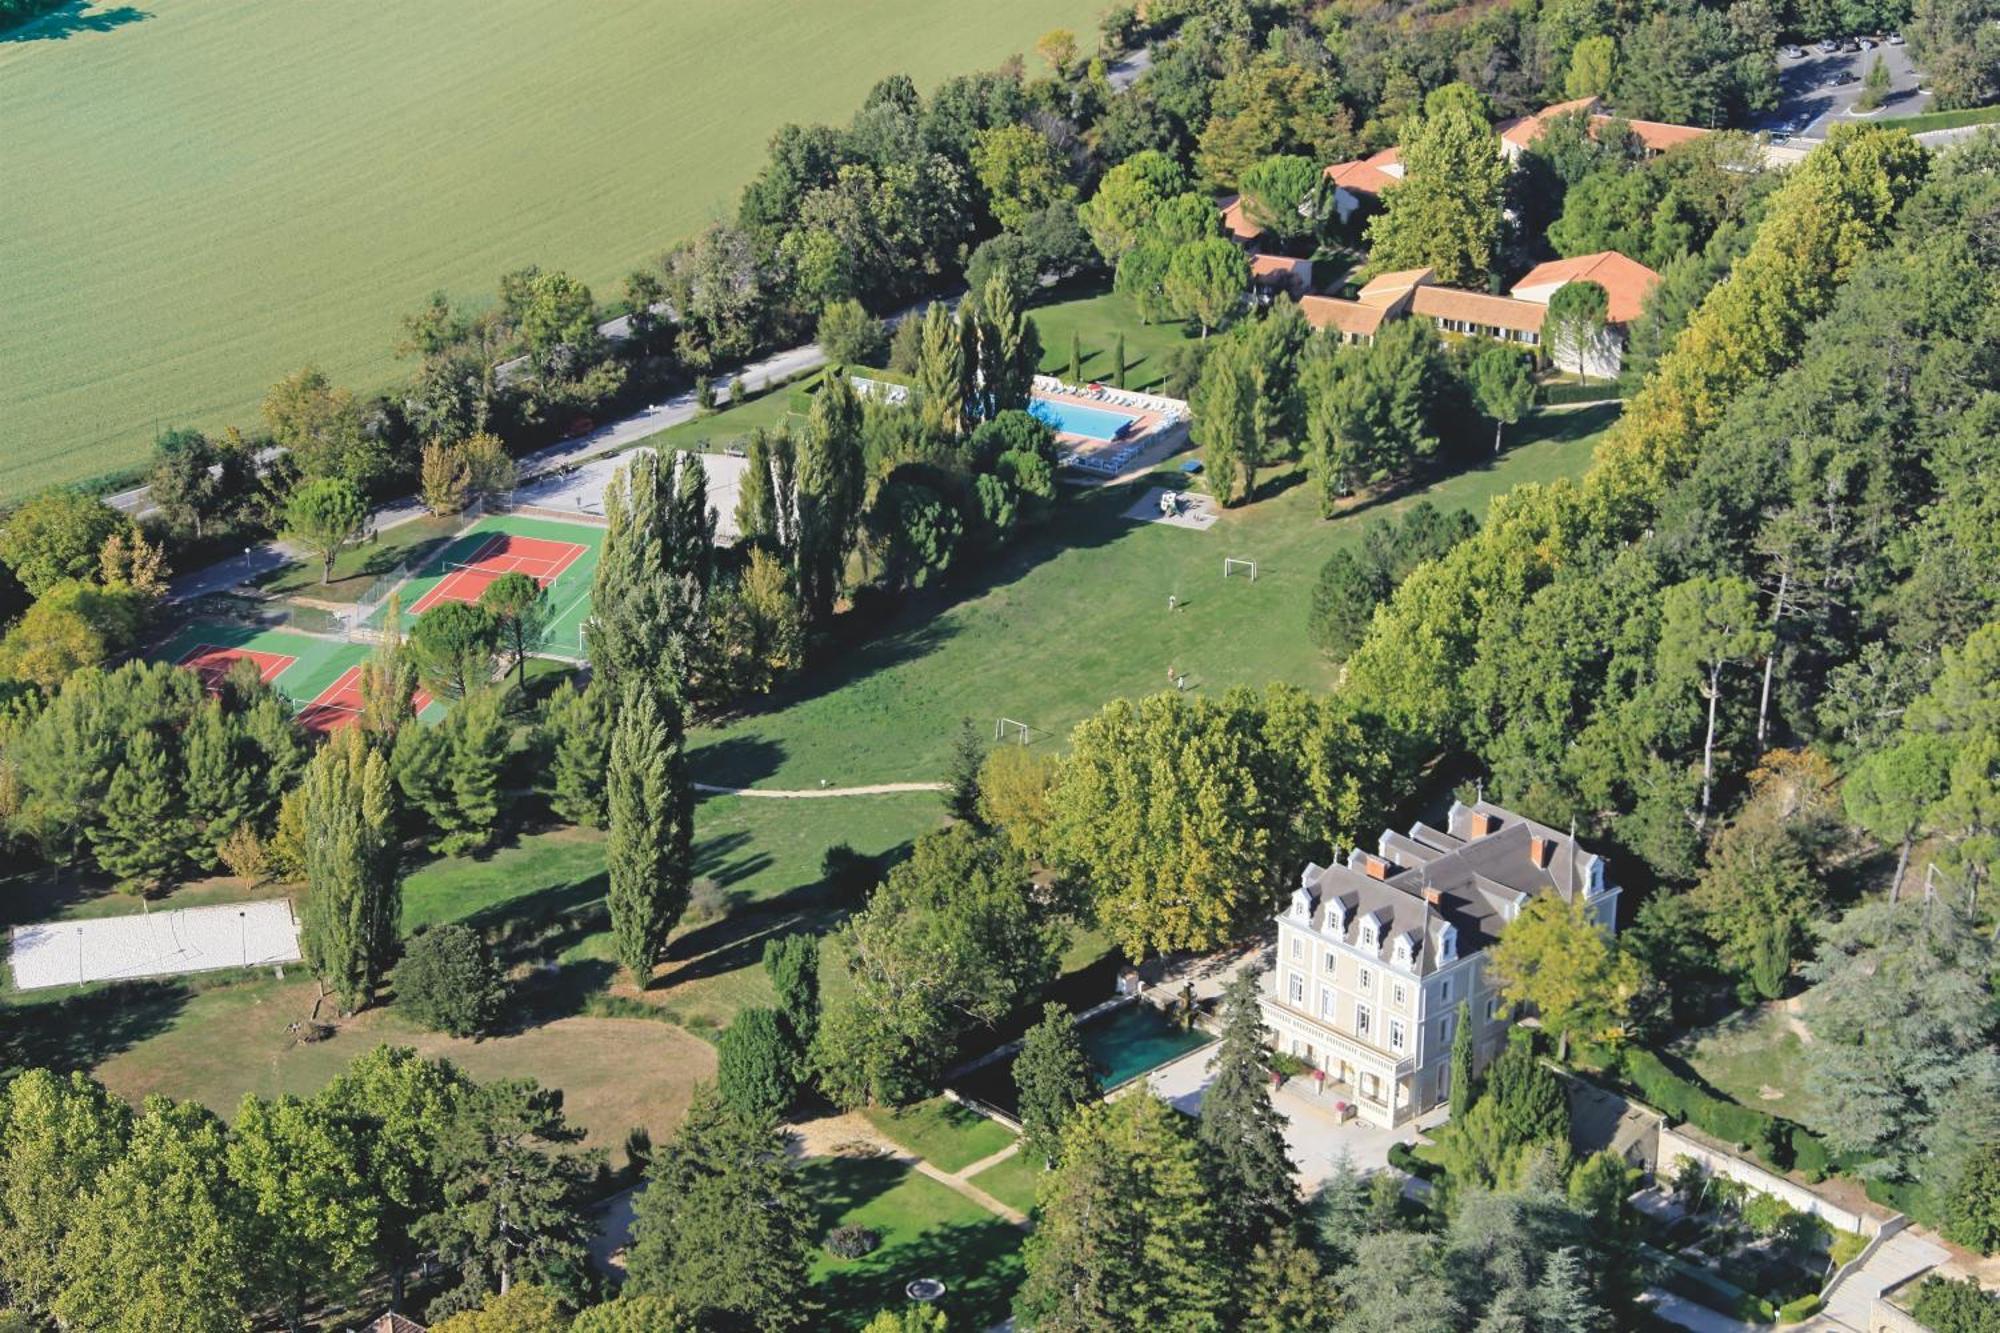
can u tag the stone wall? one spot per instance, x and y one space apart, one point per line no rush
1674 1143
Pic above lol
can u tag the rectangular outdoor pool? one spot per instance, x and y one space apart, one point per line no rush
1130 1041
1091 423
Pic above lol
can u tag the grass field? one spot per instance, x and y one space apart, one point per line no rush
1096 321
1070 618
171 251
1754 1057
927 1230
1013 1180
948 1135
485 544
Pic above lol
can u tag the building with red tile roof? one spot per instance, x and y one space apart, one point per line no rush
1625 281
1278 273
1241 228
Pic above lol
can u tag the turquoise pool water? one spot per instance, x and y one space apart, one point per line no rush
1129 1041
1092 423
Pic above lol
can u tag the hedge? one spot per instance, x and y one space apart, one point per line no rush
1706 1289
1780 1143
1943 120
1552 394
1405 1160
1798 1311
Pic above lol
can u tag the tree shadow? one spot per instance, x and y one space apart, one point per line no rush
711 860
736 761
978 1262
839 1185
68 20
84 1030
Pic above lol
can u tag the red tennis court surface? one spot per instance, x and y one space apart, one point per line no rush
339 704
504 553
212 662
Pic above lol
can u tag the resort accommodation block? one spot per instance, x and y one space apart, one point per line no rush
1515 318
1376 955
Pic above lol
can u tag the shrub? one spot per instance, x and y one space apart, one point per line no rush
1947 1306
1405 1159
1800 1310
1809 1156
851 1242
756 1062
448 981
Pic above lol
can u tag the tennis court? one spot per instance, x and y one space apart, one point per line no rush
561 557
320 676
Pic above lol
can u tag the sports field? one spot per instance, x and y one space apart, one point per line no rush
320 676
200 196
561 557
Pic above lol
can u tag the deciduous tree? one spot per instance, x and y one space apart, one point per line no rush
353 896
1556 958
649 855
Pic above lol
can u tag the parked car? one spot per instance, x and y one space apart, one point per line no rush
1829 46
1792 52
1846 76
1850 45
1895 39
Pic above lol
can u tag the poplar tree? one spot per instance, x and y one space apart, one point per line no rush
388 681
1010 350
940 373
756 494
831 480
353 897
1248 1166
649 856
653 573
1224 419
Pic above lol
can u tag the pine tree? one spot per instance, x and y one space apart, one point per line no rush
1054 1077
216 779
1247 1164
1461 1063
649 854
724 1224
1127 1231
146 831
1341 1212
576 727
1563 1301
968 753
479 739
353 897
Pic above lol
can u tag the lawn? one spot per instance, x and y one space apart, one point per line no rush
1074 616
1096 321
942 1132
1754 1057
356 569
927 1230
173 252
1013 1180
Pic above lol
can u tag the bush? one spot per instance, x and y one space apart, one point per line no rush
1809 1156
1582 393
851 1242
1405 1159
1798 1311
1947 1306
756 1062
448 981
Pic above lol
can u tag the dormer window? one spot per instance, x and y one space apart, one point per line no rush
1403 955
1448 944
1596 875
1302 905
1336 916
1370 939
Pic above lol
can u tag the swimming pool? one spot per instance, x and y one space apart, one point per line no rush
1092 423
1127 1043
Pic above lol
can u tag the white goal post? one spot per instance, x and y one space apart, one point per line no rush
1007 726
1232 564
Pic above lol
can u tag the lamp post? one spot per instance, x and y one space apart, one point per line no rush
243 935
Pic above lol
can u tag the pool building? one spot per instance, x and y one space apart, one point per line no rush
1377 957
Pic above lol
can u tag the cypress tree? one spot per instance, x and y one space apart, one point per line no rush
1461 1064
145 833
1118 362
793 964
649 854
1247 1164
353 898
1075 357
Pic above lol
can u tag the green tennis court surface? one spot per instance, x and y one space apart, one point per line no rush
314 673
562 557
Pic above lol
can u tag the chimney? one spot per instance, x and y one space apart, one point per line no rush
1435 897
1376 867
1541 850
1483 823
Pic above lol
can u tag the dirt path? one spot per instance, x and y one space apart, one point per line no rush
809 793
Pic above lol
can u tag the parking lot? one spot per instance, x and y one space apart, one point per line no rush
1813 96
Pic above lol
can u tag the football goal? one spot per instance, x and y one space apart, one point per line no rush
1007 728
1236 564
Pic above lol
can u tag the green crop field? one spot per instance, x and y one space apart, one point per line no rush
200 196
